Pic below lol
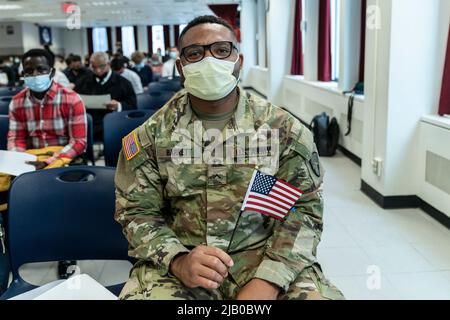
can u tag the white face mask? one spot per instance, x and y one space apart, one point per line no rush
210 79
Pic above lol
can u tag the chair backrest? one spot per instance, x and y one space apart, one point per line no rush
154 100
10 91
4 104
90 139
171 84
64 214
4 128
160 86
116 126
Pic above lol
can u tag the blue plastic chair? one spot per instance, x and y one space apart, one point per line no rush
90 139
154 100
171 84
10 91
4 128
4 104
63 214
160 87
116 126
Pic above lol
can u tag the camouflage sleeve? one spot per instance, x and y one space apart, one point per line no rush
139 205
293 245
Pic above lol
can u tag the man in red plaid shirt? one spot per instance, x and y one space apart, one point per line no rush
46 114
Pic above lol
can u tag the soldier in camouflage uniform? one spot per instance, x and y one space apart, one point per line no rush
179 216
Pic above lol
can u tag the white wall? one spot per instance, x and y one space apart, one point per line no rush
30 36
432 134
248 37
306 99
280 21
75 41
261 32
11 44
400 89
142 39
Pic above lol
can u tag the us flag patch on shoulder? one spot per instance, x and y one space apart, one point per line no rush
130 146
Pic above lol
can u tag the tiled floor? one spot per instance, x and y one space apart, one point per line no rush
369 253
406 250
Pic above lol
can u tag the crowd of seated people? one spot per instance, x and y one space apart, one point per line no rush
53 86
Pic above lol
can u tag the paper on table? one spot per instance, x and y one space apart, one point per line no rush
79 287
96 101
13 163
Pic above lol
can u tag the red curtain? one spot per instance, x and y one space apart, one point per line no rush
90 41
109 35
444 105
363 40
177 34
229 13
297 52
118 34
136 37
150 39
166 37
324 41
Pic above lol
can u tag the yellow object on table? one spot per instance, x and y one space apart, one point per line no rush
42 155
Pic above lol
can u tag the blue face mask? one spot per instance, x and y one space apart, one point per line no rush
140 66
173 55
38 83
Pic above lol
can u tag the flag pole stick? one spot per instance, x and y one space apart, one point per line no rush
243 206
234 231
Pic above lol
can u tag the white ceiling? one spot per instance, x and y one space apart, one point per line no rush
109 12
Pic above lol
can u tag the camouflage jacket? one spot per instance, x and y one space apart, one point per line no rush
168 208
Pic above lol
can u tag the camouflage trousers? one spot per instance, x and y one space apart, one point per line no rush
146 283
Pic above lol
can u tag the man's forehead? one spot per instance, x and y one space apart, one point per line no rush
207 33
36 60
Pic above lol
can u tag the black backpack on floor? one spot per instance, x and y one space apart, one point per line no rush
326 134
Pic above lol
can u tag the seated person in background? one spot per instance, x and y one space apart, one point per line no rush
75 70
169 68
60 63
9 72
143 70
156 65
120 65
47 120
46 114
104 81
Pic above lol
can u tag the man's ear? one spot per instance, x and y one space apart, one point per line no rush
52 74
180 68
241 60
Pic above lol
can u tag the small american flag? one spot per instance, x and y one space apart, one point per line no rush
130 146
270 196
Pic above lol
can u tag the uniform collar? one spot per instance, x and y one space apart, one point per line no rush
243 118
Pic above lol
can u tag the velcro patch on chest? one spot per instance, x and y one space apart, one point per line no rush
130 146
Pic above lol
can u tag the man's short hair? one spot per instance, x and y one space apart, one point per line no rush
75 58
203 20
33 53
100 54
118 63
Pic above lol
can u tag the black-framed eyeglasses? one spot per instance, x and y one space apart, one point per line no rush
219 50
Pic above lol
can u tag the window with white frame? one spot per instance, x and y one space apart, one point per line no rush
182 26
158 39
335 38
100 40
128 41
